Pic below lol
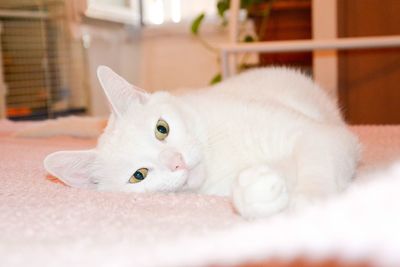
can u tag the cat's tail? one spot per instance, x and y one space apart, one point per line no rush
82 127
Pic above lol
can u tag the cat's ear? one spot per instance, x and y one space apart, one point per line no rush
72 167
119 92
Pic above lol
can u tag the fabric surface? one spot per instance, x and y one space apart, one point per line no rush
44 223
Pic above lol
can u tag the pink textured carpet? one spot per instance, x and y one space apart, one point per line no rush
44 223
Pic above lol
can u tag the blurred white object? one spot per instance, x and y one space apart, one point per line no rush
166 11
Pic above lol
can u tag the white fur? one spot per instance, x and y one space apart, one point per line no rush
270 137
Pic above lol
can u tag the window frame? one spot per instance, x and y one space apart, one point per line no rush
125 15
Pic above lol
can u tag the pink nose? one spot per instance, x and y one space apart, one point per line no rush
173 160
176 162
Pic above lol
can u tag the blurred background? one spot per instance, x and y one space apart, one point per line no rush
50 49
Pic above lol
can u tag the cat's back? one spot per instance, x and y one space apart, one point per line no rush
276 85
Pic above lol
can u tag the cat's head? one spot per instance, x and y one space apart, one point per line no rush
151 143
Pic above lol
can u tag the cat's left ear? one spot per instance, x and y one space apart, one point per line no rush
72 167
119 92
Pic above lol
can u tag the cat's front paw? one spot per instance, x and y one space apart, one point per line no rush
259 192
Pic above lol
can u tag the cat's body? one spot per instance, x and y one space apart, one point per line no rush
270 138
257 118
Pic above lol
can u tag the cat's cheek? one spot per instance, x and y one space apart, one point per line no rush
192 157
196 178
168 181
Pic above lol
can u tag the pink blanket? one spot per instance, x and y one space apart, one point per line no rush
43 223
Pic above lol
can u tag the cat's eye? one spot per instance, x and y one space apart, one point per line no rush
162 129
138 176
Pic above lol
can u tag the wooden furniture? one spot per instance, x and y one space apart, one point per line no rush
369 80
287 20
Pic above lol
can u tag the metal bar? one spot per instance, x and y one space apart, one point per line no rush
234 21
306 45
233 32
225 64
141 12
7 13
46 70
310 45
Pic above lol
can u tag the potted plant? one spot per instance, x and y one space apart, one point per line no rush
270 17
222 7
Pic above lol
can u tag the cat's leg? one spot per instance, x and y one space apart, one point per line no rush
259 191
322 164
325 161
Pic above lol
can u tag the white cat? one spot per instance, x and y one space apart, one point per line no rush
269 138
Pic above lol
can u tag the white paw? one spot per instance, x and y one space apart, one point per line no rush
259 192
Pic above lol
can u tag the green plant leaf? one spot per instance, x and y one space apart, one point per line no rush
196 23
216 79
222 6
248 39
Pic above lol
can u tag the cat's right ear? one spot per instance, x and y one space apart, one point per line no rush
72 167
120 93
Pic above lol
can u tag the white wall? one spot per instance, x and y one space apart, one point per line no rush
171 58
108 44
163 57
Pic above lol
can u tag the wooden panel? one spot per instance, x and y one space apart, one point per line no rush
288 20
369 80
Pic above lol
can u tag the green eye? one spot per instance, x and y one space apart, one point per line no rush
162 129
138 176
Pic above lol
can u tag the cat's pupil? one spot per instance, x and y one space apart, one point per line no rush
138 175
161 129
